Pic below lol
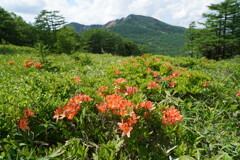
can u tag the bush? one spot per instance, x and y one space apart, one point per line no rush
110 107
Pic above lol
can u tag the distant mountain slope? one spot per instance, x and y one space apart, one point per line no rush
157 36
81 28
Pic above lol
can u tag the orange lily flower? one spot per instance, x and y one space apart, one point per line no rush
102 107
238 93
172 84
113 97
124 63
171 116
26 65
28 112
125 128
120 112
23 124
156 74
133 119
153 84
176 73
79 98
119 81
130 90
58 112
31 63
146 104
38 65
206 84
149 70
70 110
117 72
77 79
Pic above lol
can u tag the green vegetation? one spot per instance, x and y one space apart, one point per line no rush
220 36
48 30
48 23
58 100
157 43
14 30
158 37
103 41
205 92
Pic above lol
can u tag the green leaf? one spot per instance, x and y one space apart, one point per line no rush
186 157
224 156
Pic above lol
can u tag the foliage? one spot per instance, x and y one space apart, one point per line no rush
48 30
205 92
158 37
42 51
14 30
219 37
67 40
11 49
48 23
103 41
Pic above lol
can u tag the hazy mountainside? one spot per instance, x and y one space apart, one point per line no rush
157 36
81 28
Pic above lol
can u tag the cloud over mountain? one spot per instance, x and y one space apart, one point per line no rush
175 12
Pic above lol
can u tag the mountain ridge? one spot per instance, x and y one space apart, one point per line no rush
159 37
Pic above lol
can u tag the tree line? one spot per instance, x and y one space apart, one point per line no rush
219 38
49 30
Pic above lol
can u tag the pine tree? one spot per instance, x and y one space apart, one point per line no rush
48 23
219 39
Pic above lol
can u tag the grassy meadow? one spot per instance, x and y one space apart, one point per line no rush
100 106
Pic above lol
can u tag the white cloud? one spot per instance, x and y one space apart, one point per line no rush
23 6
175 12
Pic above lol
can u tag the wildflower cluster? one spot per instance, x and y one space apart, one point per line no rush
153 84
126 126
120 87
125 109
206 84
176 73
77 79
72 107
28 63
238 93
11 63
23 122
117 105
171 116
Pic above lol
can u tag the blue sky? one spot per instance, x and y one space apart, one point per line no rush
71 2
175 12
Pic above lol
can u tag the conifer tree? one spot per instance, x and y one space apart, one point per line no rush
219 39
48 23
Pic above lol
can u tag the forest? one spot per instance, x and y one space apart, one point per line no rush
49 31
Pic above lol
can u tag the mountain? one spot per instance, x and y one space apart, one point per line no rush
157 36
81 28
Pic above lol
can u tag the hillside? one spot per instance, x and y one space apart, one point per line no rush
157 36
103 106
81 28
